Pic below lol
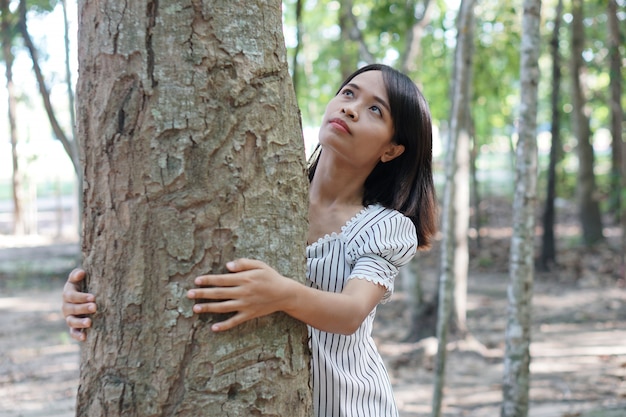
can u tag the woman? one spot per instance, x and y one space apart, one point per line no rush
371 206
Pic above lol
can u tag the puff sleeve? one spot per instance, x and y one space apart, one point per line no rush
379 249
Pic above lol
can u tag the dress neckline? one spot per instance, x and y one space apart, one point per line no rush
335 235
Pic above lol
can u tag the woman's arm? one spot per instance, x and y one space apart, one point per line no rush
253 289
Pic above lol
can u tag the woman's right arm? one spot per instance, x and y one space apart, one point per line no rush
76 305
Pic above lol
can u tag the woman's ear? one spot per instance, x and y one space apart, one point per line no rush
392 152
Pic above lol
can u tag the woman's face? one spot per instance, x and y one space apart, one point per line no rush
357 123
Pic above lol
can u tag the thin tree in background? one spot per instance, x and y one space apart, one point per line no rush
615 86
8 33
420 10
295 78
588 206
70 146
457 156
193 156
618 144
68 71
548 246
516 380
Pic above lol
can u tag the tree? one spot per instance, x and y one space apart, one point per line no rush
192 157
8 30
70 145
618 145
548 246
589 209
516 381
455 219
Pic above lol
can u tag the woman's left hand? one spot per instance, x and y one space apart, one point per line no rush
252 290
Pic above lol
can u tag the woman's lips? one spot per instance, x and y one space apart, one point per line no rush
340 124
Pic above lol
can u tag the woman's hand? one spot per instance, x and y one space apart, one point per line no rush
252 290
76 305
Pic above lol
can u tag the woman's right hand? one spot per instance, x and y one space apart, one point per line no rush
76 305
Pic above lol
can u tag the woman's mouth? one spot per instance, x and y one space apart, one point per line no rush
340 124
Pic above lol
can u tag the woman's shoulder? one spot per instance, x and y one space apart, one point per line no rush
383 232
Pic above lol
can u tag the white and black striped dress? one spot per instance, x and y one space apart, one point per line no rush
348 376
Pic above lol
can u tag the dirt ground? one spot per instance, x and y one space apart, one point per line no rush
578 344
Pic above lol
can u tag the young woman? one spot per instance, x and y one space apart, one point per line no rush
371 206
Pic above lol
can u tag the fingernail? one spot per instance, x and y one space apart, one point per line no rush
191 294
230 265
215 327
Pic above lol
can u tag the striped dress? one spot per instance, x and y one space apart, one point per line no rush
348 376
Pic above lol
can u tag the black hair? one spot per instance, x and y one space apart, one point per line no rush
406 182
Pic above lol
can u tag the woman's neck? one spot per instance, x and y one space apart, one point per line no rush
336 186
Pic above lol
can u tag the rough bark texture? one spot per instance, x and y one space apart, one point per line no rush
516 381
193 156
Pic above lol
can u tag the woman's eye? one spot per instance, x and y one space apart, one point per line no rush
347 92
377 110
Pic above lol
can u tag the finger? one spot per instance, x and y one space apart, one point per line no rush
71 295
76 276
70 309
244 264
78 334
213 293
230 306
217 280
76 323
233 321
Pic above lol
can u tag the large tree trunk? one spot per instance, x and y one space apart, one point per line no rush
548 246
516 380
588 206
16 180
192 156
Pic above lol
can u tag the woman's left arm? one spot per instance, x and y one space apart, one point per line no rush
253 289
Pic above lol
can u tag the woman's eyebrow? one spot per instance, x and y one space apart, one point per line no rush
376 98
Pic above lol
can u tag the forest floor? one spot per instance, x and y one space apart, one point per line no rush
578 366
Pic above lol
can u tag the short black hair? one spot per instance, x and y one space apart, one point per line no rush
406 182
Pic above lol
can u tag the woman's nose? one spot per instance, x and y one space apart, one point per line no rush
350 111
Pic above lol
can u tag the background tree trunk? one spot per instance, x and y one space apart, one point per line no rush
589 209
70 146
454 248
8 30
618 145
516 381
193 156
548 247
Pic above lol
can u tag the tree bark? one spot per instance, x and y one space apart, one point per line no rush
589 209
193 156
516 381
